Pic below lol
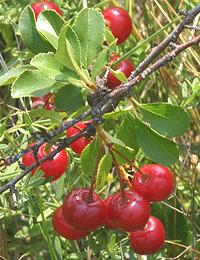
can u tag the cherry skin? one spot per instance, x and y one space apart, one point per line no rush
48 106
82 213
119 22
52 168
131 214
40 6
79 145
109 223
150 240
124 66
63 228
156 185
40 101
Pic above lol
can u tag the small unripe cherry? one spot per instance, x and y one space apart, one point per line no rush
149 240
124 66
39 6
119 22
63 228
154 182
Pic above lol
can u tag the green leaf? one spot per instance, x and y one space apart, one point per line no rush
89 157
69 98
68 38
31 83
119 75
29 34
104 168
49 23
47 64
110 40
100 62
10 76
47 212
125 151
155 146
89 27
126 132
165 118
55 117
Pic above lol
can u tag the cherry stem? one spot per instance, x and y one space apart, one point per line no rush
145 177
94 176
121 181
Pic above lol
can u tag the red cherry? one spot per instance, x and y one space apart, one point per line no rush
79 145
40 6
150 240
131 214
40 101
119 22
82 213
109 223
157 185
124 66
48 106
52 168
63 228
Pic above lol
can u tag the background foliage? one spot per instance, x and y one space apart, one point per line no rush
26 232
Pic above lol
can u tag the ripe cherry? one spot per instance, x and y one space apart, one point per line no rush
40 101
149 240
63 228
129 214
119 22
48 106
39 6
156 184
124 66
79 145
109 223
84 213
52 168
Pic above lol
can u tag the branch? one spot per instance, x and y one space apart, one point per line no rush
62 145
189 17
103 102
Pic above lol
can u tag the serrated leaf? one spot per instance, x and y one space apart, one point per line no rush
29 34
155 146
47 64
165 118
126 132
10 76
69 98
68 36
31 83
100 62
49 23
89 157
55 117
89 27
104 168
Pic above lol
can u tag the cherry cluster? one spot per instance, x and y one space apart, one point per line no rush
56 167
84 211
